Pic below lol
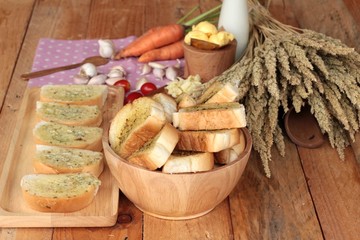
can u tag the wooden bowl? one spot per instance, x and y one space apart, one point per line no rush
208 63
176 196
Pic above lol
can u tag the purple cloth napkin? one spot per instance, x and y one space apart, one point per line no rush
54 53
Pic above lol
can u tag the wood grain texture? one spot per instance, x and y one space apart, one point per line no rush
259 208
356 147
215 225
280 207
216 61
101 212
333 18
327 175
336 203
128 226
181 196
14 18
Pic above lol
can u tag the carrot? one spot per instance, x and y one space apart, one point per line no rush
168 52
154 38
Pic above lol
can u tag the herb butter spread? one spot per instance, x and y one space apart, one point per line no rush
211 106
67 157
59 185
57 112
62 135
73 93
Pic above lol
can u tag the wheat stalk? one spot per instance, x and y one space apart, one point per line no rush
285 67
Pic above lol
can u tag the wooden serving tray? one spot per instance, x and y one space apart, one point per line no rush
14 211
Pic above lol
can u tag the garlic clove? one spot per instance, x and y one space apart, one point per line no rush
88 70
106 48
146 69
112 81
140 82
171 73
117 73
177 64
119 67
156 65
98 79
80 79
158 73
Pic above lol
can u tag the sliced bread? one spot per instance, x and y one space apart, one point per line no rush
229 155
208 141
169 104
54 134
135 124
69 114
211 116
59 192
75 94
185 100
189 162
50 159
153 154
219 92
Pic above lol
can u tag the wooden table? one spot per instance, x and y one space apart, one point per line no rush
312 194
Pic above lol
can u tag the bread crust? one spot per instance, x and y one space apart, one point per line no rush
99 100
47 168
201 118
96 170
229 155
154 120
94 144
219 93
49 199
208 141
186 101
161 148
169 104
91 121
60 205
228 93
189 163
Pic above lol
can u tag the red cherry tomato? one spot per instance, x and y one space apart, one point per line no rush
123 83
132 96
147 88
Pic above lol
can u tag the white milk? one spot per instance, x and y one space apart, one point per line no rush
234 18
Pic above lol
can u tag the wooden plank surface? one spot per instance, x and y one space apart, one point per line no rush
280 207
13 25
101 212
326 175
312 195
336 203
215 225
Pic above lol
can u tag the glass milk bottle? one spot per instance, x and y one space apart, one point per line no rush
234 18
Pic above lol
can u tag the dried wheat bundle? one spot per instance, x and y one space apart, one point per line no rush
286 67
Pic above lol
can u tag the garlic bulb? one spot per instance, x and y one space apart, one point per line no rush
98 79
106 48
88 70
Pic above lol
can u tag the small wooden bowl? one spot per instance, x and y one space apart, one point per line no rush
208 63
176 196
